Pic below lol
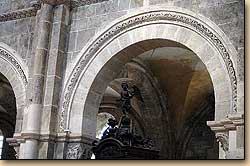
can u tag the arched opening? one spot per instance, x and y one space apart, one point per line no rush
121 44
176 92
8 116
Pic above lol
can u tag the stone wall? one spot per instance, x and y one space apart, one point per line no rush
85 22
18 34
10 5
88 20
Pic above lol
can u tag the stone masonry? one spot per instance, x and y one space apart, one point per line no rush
59 56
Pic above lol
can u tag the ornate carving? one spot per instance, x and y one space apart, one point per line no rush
77 3
7 56
74 152
223 139
78 151
36 5
145 18
22 13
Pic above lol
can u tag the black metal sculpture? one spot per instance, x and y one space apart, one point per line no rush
120 142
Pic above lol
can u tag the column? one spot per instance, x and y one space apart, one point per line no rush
54 76
33 110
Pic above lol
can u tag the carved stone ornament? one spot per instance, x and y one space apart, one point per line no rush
223 139
36 5
77 3
10 59
121 27
22 13
78 151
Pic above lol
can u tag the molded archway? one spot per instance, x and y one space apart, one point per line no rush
16 72
193 31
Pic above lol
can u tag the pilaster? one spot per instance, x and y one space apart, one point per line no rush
54 76
34 106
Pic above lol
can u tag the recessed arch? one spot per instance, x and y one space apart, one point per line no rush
174 24
16 72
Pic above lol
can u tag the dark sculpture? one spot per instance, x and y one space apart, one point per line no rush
127 95
120 142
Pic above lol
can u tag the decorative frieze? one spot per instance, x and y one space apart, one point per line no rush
77 3
22 13
14 62
223 139
36 5
78 151
151 17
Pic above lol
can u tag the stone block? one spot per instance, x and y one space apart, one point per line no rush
59 150
136 3
15 5
77 107
89 127
59 36
154 2
75 124
106 7
72 41
223 13
82 24
18 126
241 63
94 98
123 5
49 119
56 61
73 25
22 25
83 37
40 61
7 28
86 11
61 14
23 44
114 47
111 17
43 36
53 89
90 111
5 6
46 14
94 22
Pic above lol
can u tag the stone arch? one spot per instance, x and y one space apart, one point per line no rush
16 72
194 31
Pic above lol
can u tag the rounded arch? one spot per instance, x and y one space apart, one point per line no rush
194 31
14 69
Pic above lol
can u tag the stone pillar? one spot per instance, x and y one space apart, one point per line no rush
32 113
230 135
236 137
54 78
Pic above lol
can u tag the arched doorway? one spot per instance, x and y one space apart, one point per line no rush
105 56
13 81
174 85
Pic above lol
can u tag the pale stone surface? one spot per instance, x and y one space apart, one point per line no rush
49 55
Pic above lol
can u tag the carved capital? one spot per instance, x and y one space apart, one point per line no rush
78 151
223 139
